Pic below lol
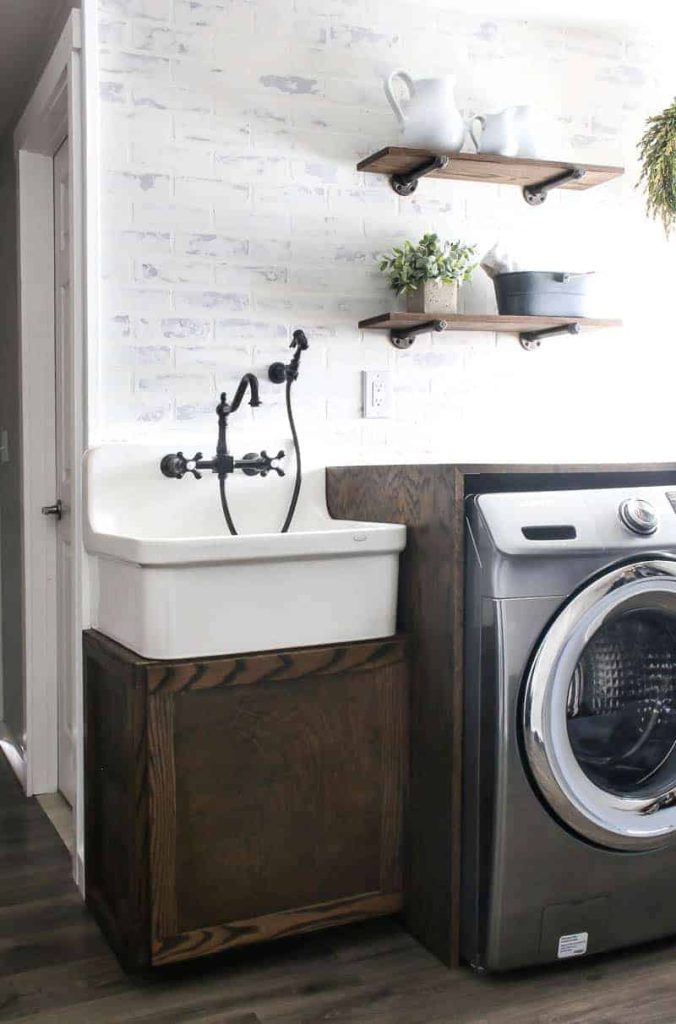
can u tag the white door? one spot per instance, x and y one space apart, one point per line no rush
63 321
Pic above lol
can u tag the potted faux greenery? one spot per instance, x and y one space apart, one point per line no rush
657 150
429 273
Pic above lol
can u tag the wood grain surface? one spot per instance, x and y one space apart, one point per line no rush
116 800
162 817
285 666
204 941
281 794
267 793
502 170
429 501
481 322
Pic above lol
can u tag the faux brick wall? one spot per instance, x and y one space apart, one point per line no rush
232 213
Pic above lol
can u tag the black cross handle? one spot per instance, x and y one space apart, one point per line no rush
175 465
260 464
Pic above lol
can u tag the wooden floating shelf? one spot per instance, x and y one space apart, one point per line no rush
403 327
481 322
498 170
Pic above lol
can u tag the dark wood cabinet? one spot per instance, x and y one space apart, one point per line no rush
232 800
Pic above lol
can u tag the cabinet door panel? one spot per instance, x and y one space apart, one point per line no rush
278 792
272 800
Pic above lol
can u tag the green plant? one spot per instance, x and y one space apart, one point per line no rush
409 265
657 150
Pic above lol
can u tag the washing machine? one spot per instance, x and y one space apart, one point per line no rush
569 798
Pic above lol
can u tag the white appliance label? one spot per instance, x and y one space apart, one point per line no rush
573 945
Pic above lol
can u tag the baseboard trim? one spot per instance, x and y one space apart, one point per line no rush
15 755
79 874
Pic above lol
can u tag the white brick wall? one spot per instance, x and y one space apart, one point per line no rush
232 214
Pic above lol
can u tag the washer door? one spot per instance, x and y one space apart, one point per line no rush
599 709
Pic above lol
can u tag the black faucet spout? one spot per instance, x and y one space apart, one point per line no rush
225 408
249 380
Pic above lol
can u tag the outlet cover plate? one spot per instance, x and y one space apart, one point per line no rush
376 394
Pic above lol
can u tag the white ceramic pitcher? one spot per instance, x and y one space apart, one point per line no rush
509 133
429 118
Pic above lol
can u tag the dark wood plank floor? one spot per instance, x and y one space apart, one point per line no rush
56 969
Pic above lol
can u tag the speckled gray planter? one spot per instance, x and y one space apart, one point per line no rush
433 297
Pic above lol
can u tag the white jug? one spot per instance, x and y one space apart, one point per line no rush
429 118
530 145
509 133
498 133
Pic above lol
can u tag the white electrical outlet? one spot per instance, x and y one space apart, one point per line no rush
377 394
4 446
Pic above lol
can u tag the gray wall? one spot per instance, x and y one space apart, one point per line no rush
12 698
10 508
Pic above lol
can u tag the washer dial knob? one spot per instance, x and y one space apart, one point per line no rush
639 516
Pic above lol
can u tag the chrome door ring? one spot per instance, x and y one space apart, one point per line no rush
607 819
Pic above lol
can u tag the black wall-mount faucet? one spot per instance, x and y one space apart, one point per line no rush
176 465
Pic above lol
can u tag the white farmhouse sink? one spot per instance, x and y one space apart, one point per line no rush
170 582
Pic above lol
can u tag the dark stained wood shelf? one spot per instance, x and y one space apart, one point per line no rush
480 322
404 327
498 170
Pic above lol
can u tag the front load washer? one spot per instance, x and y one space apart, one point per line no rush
569 799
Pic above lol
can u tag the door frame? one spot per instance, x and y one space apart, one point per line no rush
56 110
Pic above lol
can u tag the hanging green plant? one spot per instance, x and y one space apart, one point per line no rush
657 150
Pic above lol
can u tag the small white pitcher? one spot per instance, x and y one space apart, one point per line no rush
530 139
509 133
429 118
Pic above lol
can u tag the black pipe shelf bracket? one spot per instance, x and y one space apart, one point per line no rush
530 340
405 184
535 195
403 337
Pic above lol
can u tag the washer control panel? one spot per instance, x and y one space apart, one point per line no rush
639 516
613 519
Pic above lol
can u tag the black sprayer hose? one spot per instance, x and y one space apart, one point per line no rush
296 447
299 474
224 506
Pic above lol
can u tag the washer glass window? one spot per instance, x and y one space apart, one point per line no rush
599 708
622 700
